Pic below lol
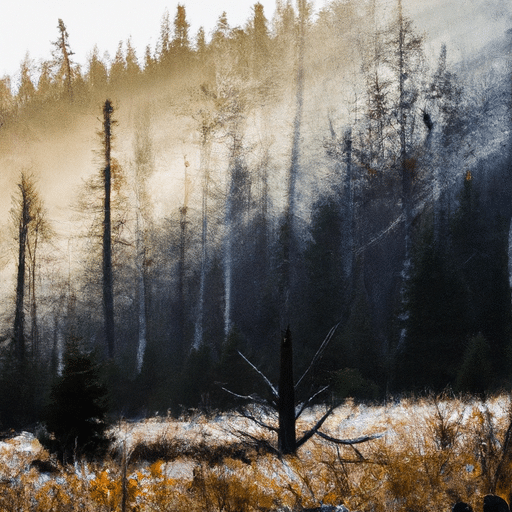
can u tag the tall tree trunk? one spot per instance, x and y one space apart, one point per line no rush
141 269
205 168
236 202
27 199
228 257
181 276
19 317
349 209
108 281
406 166
288 241
34 331
286 402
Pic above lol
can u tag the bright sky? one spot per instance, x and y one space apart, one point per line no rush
31 25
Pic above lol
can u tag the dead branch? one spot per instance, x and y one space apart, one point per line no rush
319 353
304 405
248 416
310 433
254 398
271 386
259 443
357 440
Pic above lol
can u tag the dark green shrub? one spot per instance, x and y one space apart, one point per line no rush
76 414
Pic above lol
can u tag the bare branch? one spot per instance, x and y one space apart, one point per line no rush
308 401
259 443
253 397
319 352
245 414
272 387
310 433
357 440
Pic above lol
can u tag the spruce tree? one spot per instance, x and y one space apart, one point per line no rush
76 413
437 323
480 240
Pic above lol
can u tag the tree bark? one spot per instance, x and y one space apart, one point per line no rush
286 402
108 281
19 317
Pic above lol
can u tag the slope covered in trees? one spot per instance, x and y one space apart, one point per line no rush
303 171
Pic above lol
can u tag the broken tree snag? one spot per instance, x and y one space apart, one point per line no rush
286 401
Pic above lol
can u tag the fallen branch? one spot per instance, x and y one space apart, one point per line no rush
310 433
259 443
257 421
357 440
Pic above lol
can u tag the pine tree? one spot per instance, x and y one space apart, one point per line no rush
117 73
97 74
201 46
45 84
108 280
260 41
132 64
62 57
163 49
480 240
180 43
76 415
28 217
438 321
476 373
26 90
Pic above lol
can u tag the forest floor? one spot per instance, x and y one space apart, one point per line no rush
432 452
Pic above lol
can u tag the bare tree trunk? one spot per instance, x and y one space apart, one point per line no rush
19 317
228 264
23 218
349 208
289 214
286 401
108 281
205 167
141 264
181 275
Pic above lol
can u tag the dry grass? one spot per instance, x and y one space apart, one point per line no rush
434 452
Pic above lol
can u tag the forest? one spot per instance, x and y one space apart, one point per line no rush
166 214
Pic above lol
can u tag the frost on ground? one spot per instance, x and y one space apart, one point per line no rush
433 452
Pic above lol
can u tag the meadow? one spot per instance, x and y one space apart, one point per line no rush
432 453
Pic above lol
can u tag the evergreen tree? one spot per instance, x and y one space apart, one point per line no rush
62 57
76 415
476 373
26 90
180 43
231 370
324 269
163 49
260 41
437 323
196 379
117 72
132 64
201 46
45 84
97 74
480 240
28 218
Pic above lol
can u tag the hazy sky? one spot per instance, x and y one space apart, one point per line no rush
31 25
